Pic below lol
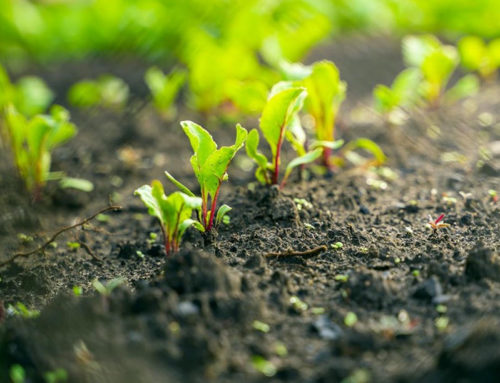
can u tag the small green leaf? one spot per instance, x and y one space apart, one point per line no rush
252 149
369 146
223 210
277 114
76 183
145 192
182 188
305 159
465 87
201 141
334 145
472 51
417 48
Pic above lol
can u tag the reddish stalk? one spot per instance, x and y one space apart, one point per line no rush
327 152
277 158
166 240
212 210
204 208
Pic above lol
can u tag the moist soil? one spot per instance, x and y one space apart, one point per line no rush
269 297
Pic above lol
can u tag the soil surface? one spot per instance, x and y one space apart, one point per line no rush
272 296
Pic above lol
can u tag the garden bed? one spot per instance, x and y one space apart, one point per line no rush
272 293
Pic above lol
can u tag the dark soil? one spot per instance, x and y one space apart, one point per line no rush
427 302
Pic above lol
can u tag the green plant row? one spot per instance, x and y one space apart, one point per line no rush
317 91
430 65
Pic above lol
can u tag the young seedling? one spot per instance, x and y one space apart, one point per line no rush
325 94
401 94
32 142
437 224
478 56
164 89
30 94
436 63
278 117
107 91
210 167
173 212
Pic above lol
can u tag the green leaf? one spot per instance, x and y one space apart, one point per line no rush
164 88
417 48
384 97
294 71
472 51
223 210
305 159
33 95
405 85
334 145
84 94
465 87
76 183
276 116
439 64
149 198
326 92
213 171
201 141
183 188
251 147
494 53
369 146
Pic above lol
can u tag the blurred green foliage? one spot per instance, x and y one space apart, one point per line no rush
226 46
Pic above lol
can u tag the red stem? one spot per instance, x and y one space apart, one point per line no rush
166 241
212 210
277 158
327 152
204 208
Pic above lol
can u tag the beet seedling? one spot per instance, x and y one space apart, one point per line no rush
107 91
210 168
436 63
325 94
164 88
477 56
401 93
277 122
30 95
32 142
173 212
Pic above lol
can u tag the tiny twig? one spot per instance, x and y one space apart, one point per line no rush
291 253
89 251
57 234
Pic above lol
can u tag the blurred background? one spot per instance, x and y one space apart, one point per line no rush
215 47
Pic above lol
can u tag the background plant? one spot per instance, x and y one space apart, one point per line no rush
210 168
402 93
436 63
478 56
33 140
164 89
107 91
30 94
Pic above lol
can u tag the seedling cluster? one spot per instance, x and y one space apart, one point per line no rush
430 66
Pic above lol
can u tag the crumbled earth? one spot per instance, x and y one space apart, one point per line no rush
396 302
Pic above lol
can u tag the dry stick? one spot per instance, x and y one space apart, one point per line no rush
89 251
307 253
57 234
